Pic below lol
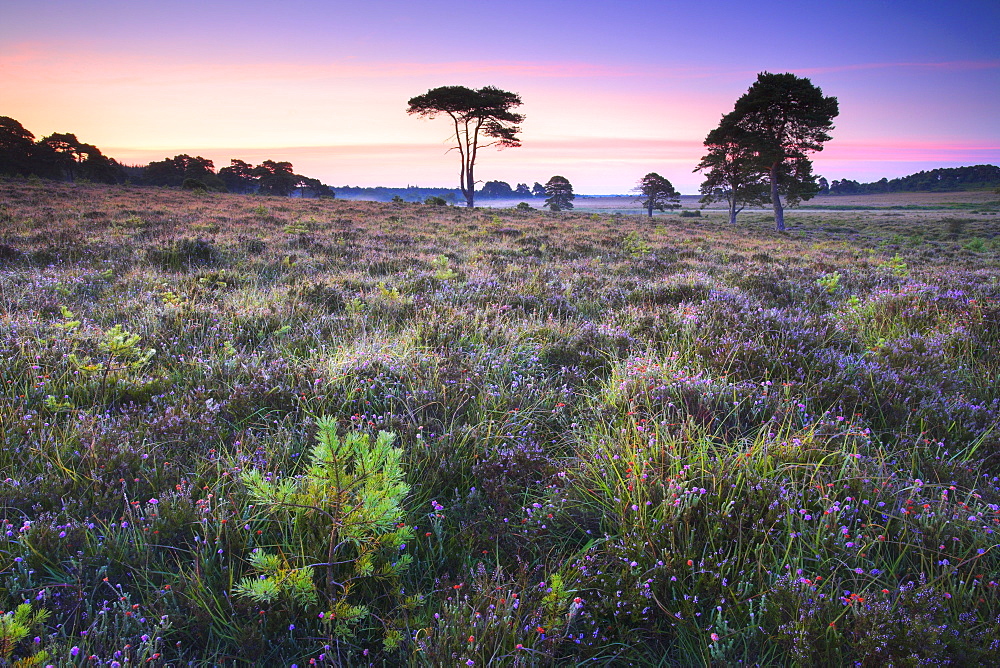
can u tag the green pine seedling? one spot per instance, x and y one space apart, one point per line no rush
345 517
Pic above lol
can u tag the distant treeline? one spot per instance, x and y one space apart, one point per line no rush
490 190
977 177
63 157
59 156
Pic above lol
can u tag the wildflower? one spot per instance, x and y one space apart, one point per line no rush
714 637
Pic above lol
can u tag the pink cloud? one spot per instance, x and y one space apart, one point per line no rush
105 65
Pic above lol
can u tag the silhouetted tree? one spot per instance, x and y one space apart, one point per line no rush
238 177
845 187
485 112
538 190
314 188
101 169
560 193
657 193
496 190
276 178
783 118
58 155
173 171
732 171
63 156
522 190
16 148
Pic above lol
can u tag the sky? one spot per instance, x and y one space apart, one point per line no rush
611 91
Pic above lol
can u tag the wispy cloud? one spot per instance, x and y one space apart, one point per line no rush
105 64
944 66
21 60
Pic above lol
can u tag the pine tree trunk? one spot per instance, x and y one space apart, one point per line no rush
779 212
470 192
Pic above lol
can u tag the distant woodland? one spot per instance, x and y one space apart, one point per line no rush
947 179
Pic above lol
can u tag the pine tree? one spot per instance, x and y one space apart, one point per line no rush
657 193
560 193
344 526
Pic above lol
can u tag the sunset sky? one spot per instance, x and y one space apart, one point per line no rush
611 90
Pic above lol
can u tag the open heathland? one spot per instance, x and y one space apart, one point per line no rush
249 430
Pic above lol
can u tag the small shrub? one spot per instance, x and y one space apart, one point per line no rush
976 245
342 517
633 244
829 282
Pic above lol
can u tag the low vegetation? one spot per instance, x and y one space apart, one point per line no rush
241 429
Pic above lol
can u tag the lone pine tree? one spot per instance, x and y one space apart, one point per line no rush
483 114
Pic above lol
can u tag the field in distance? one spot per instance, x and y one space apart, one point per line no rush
629 204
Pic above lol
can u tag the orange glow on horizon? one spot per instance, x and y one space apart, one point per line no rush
344 121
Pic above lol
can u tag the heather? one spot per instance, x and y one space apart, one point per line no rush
246 429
